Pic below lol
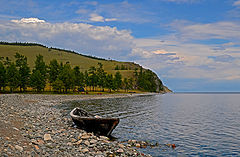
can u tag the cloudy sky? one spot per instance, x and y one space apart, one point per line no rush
193 45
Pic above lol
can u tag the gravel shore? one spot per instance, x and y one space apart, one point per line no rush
31 125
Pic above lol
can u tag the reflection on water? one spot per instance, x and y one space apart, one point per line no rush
199 124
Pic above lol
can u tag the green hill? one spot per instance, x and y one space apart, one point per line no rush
31 50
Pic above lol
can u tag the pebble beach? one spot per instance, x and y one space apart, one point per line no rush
33 125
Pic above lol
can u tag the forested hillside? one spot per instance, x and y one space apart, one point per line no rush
34 66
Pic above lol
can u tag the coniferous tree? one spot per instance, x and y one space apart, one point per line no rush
7 62
53 70
37 81
12 77
140 79
149 81
93 78
67 77
118 80
86 79
39 73
79 78
3 78
110 82
146 81
117 67
135 81
58 85
130 83
41 65
126 84
24 71
101 75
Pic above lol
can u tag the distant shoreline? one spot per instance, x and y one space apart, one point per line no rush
61 98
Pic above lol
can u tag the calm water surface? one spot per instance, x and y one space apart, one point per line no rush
199 124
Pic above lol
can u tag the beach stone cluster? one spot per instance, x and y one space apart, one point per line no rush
33 125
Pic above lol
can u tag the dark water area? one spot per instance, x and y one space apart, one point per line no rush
198 124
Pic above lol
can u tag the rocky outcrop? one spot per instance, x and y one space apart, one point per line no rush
160 88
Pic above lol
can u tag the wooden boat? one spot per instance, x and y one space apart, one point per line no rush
91 123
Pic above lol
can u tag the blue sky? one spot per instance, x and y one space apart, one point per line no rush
193 45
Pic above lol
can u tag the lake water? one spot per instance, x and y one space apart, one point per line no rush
198 124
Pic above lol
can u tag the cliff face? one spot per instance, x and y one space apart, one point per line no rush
160 87
167 90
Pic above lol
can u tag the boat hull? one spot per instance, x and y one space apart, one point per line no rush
99 126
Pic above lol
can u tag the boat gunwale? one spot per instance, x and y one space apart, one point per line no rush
88 118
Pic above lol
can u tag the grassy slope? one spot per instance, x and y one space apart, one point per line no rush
62 56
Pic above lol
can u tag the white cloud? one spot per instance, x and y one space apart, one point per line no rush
103 41
110 19
115 11
163 52
217 30
177 59
124 12
96 18
29 20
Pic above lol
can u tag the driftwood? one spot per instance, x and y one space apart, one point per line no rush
91 123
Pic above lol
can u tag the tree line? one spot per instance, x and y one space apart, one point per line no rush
63 78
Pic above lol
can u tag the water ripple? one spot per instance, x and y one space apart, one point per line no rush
199 124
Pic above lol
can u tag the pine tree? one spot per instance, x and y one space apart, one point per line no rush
12 77
118 80
41 66
79 77
86 80
93 78
110 82
2 76
126 84
130 83
7 62
37 81
101 75
67 77
53 71
58 85
24 71
39 73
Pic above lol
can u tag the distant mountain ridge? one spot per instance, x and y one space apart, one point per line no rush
31 50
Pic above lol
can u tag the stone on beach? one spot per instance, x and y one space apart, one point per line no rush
137 145
93 141
85 150
85 136
78 142
120 151
104 138
19 148
87 143
47 137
